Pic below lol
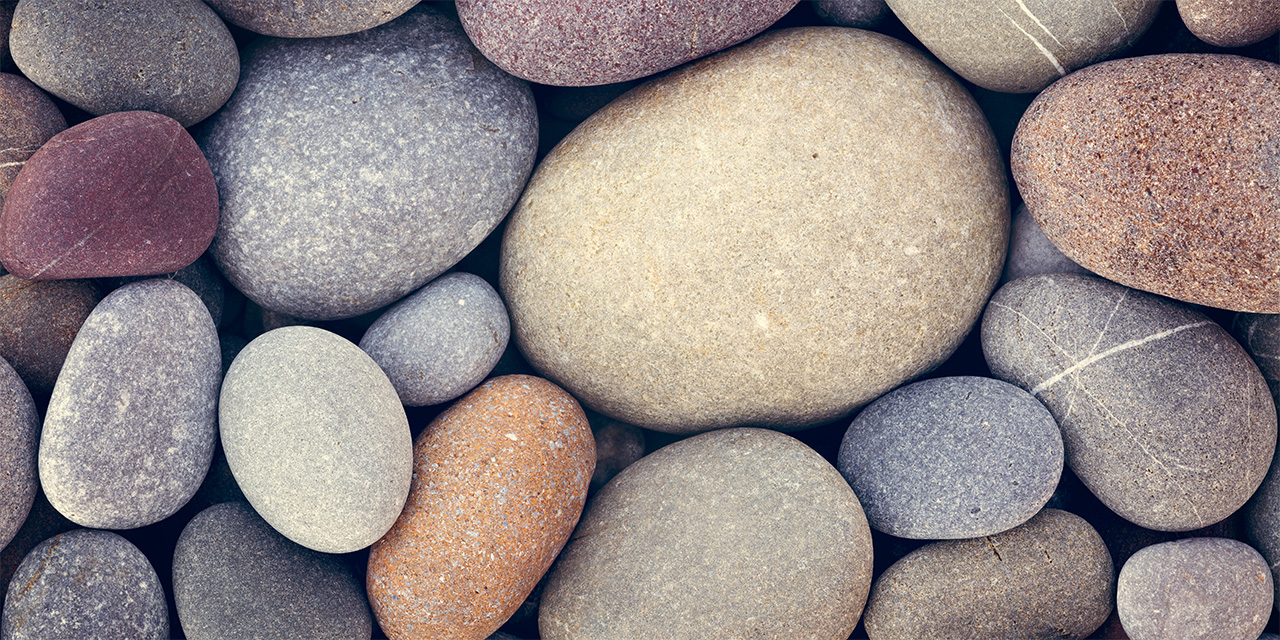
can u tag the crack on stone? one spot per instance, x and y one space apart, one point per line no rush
1159 335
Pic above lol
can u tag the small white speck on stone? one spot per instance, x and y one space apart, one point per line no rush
513 436
912 250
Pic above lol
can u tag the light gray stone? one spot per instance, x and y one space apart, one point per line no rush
1031 252
19 438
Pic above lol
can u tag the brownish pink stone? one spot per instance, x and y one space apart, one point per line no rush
38 322
28 118
1231 23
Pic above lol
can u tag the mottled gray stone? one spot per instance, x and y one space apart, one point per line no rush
861 14
1164 416
1195 589
235 577
952 458
1262 521
130 427
355 169
309 18
733 533
1260 335
316 438
438 343
618 445
1047 579
19 438
1031 252
85 585
200 276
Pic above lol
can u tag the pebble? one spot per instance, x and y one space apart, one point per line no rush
42 522
1260 335
28 118
618 445
19 438
200 276
860 14
38 322
1262 521
1231 23
1031 252
311 19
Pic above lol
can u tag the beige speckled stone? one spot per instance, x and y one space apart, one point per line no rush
772 236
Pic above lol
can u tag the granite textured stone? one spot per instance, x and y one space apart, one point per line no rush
1164 416
732 534
500 479
85 585
43 522
19 438
201 277
950 458
1197 589
1031 252
618 445
442 341
860 14
126 194
235 577
38 322
309 18
316 438
1231 23
745 266
562 43
28 118
129 432
1260 336
354 170
1133 185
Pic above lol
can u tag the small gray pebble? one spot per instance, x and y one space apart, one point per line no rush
19 437
1031 252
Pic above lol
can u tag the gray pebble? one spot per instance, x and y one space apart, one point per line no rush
1262 521
618 445
309 18
1260 335
19 437
860 14
200 276
1031 252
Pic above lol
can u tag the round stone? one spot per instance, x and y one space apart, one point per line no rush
28 118
618 445
1031 252
309 18
1262 521
38 322
1230 23
19 438
354 170
734 533
861 14
1260 335
749 267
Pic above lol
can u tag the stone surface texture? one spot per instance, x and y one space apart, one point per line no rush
1231 23
6 20
19 439
1260 336
38 322
1262 521
618 445
860 14
309 18
28 118
1031 252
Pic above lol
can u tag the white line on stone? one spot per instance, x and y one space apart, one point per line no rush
1037 21
12 164
68 251
1114 350
1121 16
1048 54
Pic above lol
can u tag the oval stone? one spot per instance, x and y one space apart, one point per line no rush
1031 252
310 19
746 266
731 534
38 322
28 118
316 438
1260 335
1164 416
19 438
1134 185
500 479
1230 23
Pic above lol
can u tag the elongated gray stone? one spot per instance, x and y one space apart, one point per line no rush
19 437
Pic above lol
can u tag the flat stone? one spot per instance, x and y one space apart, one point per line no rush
1133 186
611 41
235 577
85 585
748 267
201 277
618 445
500 479
152 202
316 438
442 341
354 170
1031 252
952 458
28 118
735 533
19 438
860 14
1197 589
1260 336
1164 416
309 18
38 322
1230 23
130 427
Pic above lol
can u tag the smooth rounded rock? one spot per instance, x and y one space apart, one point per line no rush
19 439
1164 416
618 445
39 321
860 14
1031 252
309 18
28 118
1231 23
1260 336
1262 522
201 277
732 534
316 438
354 170
749 267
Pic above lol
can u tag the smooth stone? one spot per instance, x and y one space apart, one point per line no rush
201 277
129 432
1164 416
1132 185
28 119
1260 336
500 479
312 18
1262 522
852 252
442 341
126 194
609 41
860 14
618 445
316 438
19 439
38 322
1049 578
1231 23
1196 589
42 522
1031 252
354 170
951 458
85 585
731 534
235 577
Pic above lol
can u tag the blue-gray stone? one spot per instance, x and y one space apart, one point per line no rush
1031 252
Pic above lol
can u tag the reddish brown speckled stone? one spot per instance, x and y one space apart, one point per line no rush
1162 173
38 322
499 482
28 118
1231 23
127 194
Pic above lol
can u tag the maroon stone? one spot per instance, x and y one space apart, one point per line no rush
127 194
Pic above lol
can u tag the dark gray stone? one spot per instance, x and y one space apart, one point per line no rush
309 18
85 585
353 170
1164 416
38 323
6 19
618 445
235 577
860 14
200 276
1262 521
19 438
231 346
1260 335
575 104
952 458
1031 252
130 427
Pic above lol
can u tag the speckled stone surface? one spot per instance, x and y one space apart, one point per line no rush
731 534
1231 23
316 438
1020 46
19 438
309 18
201 277
950 458
1031 252
353 170
85 585
38 322
604 41
28 118
618 445
1165 417
860 14
1197 589
1132 185
1049 578
235 577
1262 521
43 522
749 267
1260 335
440 342
152 202
500 479
130 427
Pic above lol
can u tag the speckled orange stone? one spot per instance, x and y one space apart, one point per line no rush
499 482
